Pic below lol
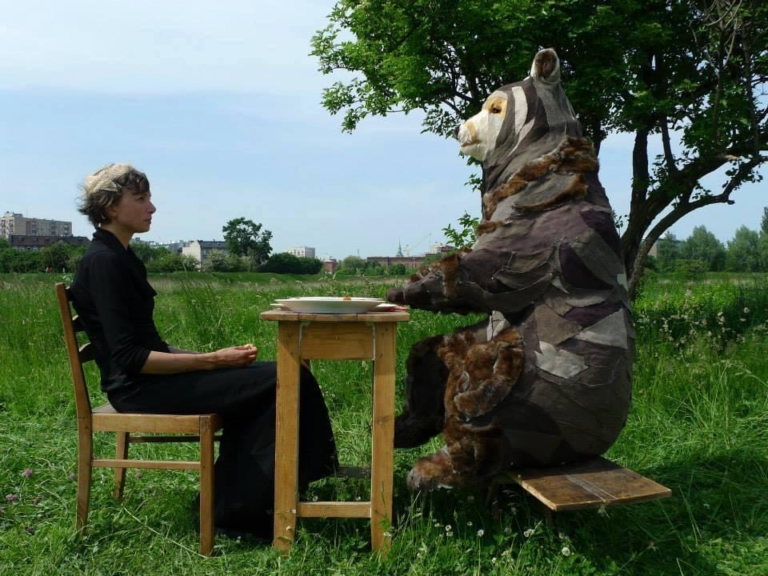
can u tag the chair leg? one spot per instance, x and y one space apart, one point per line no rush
121 453
84 457
206 487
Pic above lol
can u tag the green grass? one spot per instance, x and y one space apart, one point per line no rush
698 425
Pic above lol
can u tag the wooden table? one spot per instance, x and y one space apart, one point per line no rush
370 336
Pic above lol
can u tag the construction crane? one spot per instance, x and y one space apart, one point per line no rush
408 248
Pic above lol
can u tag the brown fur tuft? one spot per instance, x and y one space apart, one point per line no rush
575 155
486 227
450 267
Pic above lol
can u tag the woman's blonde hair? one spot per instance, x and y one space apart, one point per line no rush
104 188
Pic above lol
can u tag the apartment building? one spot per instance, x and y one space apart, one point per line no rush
302 251
12 223
199 249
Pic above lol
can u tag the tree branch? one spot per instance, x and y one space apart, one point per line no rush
682 209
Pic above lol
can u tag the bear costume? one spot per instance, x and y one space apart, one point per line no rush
546 378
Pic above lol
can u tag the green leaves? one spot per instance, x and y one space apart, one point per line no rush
245 238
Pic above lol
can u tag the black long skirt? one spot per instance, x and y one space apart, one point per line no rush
245 397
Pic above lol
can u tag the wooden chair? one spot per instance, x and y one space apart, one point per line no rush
188 428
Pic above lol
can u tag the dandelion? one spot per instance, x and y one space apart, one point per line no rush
480 533
746 310
493 560
73 476
528 533
566 551
505 554
314 498
387 534
469 523
448 528
507 530
27 473
12 497
138 475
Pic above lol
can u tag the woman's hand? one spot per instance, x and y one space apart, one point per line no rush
234 356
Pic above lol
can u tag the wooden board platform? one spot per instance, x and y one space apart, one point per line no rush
588 484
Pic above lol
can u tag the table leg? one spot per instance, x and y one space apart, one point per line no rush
383 435
286 435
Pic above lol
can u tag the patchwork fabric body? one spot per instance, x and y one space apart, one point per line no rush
547 377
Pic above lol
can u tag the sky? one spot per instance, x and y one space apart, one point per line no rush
220 105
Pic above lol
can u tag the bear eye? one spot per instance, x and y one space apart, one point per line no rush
495 109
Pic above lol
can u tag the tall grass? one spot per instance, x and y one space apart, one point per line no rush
698 425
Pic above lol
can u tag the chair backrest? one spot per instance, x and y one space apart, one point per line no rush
78 355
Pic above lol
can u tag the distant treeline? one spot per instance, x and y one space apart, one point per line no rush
747 251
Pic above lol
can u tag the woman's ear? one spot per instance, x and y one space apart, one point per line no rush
546 66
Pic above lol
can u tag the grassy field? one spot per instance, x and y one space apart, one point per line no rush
699 425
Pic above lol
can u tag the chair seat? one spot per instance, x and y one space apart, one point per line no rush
106 419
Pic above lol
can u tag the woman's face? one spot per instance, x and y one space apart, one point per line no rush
133 212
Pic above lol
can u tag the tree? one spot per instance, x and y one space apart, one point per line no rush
285 263
743 253
172 263
686 72
56 257
668 252
704 246
245 238
351 265
397 270
216 261
763 242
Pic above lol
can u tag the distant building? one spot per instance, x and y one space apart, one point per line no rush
172 247
302 252
12 223
199 249
36 242
330 265
410 261
407 261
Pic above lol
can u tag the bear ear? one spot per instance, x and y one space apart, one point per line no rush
546 66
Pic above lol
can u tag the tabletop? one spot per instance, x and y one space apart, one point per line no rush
288 316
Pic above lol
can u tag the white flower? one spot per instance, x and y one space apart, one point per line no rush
469 523
493 560
471 498
480 533
528 533
566 551
746 310
448 528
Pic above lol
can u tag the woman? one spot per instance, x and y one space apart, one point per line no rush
142 373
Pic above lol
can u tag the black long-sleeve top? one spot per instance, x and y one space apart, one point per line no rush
115 302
